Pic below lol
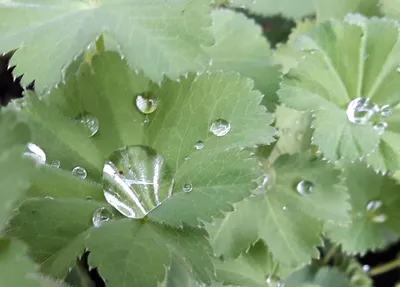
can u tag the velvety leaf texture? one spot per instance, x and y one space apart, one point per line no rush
172 33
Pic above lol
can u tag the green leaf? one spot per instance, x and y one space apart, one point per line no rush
14 169
251 57
325 276
15 267
372 226
288 8
135 252
184 114
177 275
156 36
390 8
327 10
121 249
353 270
328 79
288 222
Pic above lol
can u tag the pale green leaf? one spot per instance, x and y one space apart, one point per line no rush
57 231
157 36
390 8
327 9
134 252
287 8
14 169
345 61
178 275
251 56
288 222
16 269
353 269
369 229
184 114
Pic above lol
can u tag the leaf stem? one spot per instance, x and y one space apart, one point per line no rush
100 47
329 255
385 267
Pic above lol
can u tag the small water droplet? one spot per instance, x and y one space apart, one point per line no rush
284 208
273 281
380 127
146 120
298 122
102 215
374 205
136 180
199 145
88 198
187 187
305 187
220 127
79 172
386 111
360 111
146 105
35 153
366 268
55 164
49 197
374 211
379 218
187 157
89 123
398 68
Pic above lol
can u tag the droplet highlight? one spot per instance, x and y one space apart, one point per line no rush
136 180
305 187
55 164
380 127
199 145
220 127
146 105
187 187
273 281
360 111
79 172
386 111
35 153
102 215
374 211
89 123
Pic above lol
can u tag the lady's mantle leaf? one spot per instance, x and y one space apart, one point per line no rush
219 173
125 251
289 220
375 201
347 61
251 57
327 10
14 169
287 8
160 37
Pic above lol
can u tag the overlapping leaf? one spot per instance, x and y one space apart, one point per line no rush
390 8
157 36
251 57
327 10
125 251
375 214
288 222
184 114
288 8
328 79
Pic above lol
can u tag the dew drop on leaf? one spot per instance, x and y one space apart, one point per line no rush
220 127
187 157
360 111
305 187
386 111
89 123
284 208
79 172
272 281
55 164
101 216
146 105
187 187
366 268
374 211
145 182
49 197
199 145
380 127
35 153
88 198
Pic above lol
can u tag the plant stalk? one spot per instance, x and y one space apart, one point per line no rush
385 267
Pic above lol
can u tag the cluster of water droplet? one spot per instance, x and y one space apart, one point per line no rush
374 211
362 111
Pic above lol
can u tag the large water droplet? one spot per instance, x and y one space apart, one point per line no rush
35 153
386 111
220 127
305 187
374 211
199 145
361 110
187 187
136 180
273 281
102 215
380 127
146 105
79 172
89 123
